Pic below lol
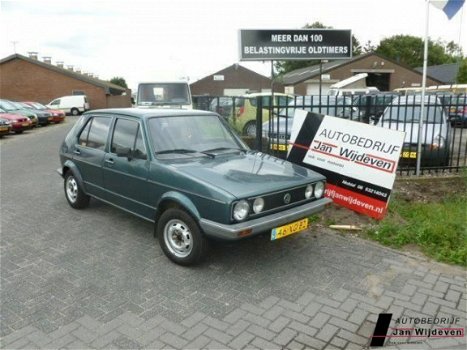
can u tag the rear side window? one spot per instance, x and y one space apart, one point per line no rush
94 134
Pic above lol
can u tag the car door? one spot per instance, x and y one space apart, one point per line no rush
89 152
126 167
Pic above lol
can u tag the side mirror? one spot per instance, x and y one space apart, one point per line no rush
124 152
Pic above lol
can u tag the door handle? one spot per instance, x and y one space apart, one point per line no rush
109 161
77 151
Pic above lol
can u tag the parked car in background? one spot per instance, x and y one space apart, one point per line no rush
244 118
18 123
74 105
44 118
278 129
190 174
222 105
404 114
372 105
5 126
11 107
458 111
57 115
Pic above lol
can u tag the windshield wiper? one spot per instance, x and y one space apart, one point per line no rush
209 151
182 151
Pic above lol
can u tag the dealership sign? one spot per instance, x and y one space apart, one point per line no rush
303 44
358 160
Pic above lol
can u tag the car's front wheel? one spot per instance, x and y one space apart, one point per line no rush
74 193
180 237
74 111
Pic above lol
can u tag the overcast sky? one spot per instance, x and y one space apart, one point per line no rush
172 39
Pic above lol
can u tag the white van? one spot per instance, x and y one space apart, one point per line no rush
164 95
74 105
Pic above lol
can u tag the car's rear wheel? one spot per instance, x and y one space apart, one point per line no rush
74 111
74 193
250 129
19 131
180 237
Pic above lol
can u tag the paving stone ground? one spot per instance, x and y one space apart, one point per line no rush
96 278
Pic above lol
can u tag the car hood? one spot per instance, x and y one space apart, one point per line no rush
246 175
430 132
278 124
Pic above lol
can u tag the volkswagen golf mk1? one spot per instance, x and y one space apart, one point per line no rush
190 174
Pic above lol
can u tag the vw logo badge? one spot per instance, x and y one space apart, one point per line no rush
287 198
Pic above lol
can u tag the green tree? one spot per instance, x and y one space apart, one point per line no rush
283 67
408 49
119 81
462 74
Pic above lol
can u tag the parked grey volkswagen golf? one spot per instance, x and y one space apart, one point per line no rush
187 172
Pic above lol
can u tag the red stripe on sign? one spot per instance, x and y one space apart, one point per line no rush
357 201
298 146
325 143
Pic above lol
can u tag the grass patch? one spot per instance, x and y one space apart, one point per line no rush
438 228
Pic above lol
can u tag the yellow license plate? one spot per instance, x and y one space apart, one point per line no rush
3 128
287 230
412 155
25 124
276 147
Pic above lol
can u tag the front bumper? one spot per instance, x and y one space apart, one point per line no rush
253 227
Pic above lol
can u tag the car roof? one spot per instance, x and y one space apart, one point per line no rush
257 94
145 113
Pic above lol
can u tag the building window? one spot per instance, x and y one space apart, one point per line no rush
78 92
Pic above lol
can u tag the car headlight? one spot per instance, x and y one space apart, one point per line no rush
319 189
258 205
308 191
241 210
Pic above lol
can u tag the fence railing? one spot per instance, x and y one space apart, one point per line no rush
266 125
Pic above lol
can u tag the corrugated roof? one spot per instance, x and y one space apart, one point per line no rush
101 83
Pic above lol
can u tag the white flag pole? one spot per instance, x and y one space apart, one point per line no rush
422 107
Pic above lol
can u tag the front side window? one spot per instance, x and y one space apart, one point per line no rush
124 135
127 137
55 102
94 134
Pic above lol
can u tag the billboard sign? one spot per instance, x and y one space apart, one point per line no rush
302 44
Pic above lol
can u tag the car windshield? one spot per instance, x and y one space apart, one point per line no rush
189 135
410 114
17 105
154 94
7 106
37 105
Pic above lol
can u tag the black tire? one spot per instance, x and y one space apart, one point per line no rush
74 112
250 129
175 225
74 193
19 131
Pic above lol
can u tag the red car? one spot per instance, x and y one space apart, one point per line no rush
18 122
5 127
57 115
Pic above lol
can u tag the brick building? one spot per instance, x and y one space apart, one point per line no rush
28 79
384 73
233 81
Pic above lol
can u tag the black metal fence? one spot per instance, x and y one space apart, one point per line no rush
443 141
